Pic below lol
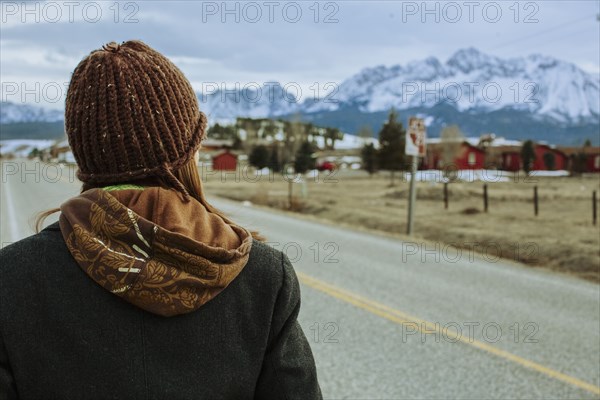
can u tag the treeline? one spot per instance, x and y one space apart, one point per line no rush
578 161
390 155
248 131
275 143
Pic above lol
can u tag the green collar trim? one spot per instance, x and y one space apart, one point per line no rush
123 186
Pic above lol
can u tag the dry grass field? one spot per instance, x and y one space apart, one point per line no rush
561 237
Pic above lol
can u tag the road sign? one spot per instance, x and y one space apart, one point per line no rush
415 147
415 137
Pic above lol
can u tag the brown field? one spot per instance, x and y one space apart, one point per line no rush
561 237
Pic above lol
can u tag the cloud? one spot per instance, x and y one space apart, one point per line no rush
302 42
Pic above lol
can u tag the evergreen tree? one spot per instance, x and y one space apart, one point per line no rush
259 157
549 161
528 156
578 163
331 135
293 137
237 143
369 158
214 131
392 139
305 160
34 153
226 132
274 163
579 160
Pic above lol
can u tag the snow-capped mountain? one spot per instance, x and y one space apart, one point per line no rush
473 81
525 97
468 81
253 102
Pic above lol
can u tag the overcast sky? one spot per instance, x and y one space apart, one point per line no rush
289 42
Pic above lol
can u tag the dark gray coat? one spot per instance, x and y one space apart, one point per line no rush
62 336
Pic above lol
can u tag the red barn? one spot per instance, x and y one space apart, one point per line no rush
467 157
432 159
511 161
470 157
225 161
543 153
562 160
593 162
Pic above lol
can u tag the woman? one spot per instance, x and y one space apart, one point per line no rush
143 290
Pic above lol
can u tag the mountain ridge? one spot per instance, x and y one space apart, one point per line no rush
516 96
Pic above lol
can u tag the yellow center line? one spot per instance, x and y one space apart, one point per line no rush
399 317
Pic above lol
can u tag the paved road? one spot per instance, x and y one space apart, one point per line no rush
387 321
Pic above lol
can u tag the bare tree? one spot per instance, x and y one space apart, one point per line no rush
451 140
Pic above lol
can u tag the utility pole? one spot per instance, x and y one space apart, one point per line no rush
412 196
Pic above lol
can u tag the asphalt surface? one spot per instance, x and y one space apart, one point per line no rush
394 320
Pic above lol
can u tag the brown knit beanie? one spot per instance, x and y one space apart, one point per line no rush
131 113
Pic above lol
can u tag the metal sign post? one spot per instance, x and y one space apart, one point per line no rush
415 147
412 197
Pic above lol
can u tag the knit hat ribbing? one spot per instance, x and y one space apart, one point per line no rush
131 113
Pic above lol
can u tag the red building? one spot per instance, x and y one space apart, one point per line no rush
467 157
548 158
506 155
225 161
562 159
591 154
470 157
511 161
593 162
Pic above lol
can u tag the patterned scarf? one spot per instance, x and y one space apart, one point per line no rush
147 246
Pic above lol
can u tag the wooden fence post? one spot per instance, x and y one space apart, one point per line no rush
594 208
290 189
485 198
445 195
535 200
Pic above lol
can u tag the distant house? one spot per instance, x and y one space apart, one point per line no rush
470 157
548 158
511 161
225 161
490 152
593 162
503 154
563 158
591 155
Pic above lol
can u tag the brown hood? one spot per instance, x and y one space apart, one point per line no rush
146 245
